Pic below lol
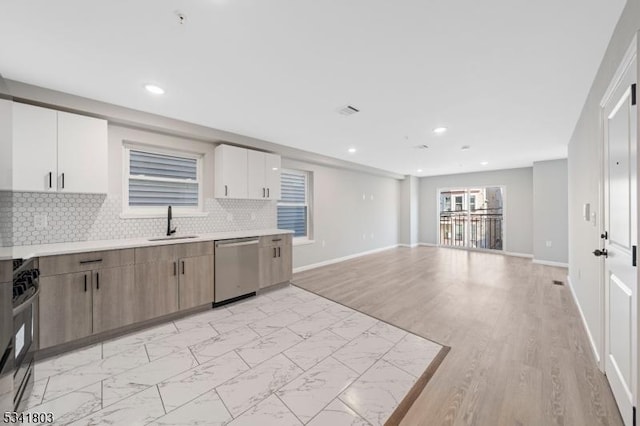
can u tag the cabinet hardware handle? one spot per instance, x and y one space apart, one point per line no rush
62 180
263 192
274 252
278 251
85 283
268 196
276 239
50 180
226 191
84 262
175 268
97 280
183 267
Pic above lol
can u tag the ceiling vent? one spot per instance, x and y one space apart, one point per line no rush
422 147
348 110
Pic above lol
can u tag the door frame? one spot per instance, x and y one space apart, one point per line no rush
466 188
630 55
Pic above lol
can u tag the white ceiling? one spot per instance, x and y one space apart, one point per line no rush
507 77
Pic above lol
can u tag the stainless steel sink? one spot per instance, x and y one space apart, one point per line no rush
174 237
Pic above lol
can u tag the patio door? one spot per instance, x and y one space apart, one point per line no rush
471 217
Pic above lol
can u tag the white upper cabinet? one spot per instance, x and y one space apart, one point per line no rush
58 151
230 172
272 176
82 154
35 158
245 173
255 175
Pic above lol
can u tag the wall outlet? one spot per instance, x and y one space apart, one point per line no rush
40 221
548 243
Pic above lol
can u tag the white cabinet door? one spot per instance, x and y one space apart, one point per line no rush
82 154
272 176
34 148
256 175
230 172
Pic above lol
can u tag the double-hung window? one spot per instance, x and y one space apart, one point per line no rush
294 207
157 178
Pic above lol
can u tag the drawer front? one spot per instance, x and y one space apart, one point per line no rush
155 254
278 240
194 249
70 263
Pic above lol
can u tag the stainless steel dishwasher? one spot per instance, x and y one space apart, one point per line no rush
236 269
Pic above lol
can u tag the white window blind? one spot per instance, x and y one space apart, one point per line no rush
293 208
160 180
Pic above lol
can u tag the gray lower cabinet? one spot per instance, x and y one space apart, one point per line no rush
113 298
276 259
65 308
196 281
156 289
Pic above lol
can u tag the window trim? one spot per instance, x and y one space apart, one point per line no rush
141 212
304 239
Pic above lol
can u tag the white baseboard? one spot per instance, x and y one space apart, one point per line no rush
428 244
514 254
594 348
341 259
408 245
551 263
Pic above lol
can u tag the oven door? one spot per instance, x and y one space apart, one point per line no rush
24 348
6 348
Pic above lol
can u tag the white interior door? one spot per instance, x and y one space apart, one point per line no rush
621 284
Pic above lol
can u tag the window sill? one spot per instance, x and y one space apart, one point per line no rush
162 215
302 241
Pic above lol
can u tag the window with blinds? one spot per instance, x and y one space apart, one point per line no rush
159 180
293 207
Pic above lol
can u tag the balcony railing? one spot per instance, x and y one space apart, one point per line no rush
480 228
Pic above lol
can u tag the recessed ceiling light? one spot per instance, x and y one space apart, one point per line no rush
484 163
352 150
439 130
465 148
419 170
156 90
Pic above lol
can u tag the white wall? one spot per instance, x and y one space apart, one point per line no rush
518 185
408 232
584 180
343 222
550 211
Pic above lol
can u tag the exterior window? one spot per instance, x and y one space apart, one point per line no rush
458 202
155 179
294 212
472 202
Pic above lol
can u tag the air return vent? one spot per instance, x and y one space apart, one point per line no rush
348 110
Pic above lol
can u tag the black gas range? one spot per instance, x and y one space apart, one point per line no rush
25 311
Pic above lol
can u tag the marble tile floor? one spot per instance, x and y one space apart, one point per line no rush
284 357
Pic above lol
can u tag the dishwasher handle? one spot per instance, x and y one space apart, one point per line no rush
236 243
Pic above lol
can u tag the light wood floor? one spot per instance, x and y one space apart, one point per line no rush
520 354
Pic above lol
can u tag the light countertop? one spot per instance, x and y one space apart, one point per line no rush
26 252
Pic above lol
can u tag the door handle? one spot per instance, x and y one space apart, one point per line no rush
263 192
268 196
97 280
274 252
175 268
183 267
50 180
85 283
278 251
603 252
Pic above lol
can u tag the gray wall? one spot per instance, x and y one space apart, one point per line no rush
584 179
518 185
550 214
343 222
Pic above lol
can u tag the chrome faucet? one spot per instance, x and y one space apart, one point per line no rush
169 230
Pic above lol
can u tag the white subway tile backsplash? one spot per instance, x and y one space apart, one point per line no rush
87 217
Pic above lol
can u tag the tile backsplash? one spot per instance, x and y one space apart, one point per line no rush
86 217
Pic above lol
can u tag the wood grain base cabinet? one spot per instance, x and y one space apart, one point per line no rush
65 308
276 259
113 298
156 289
196 281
